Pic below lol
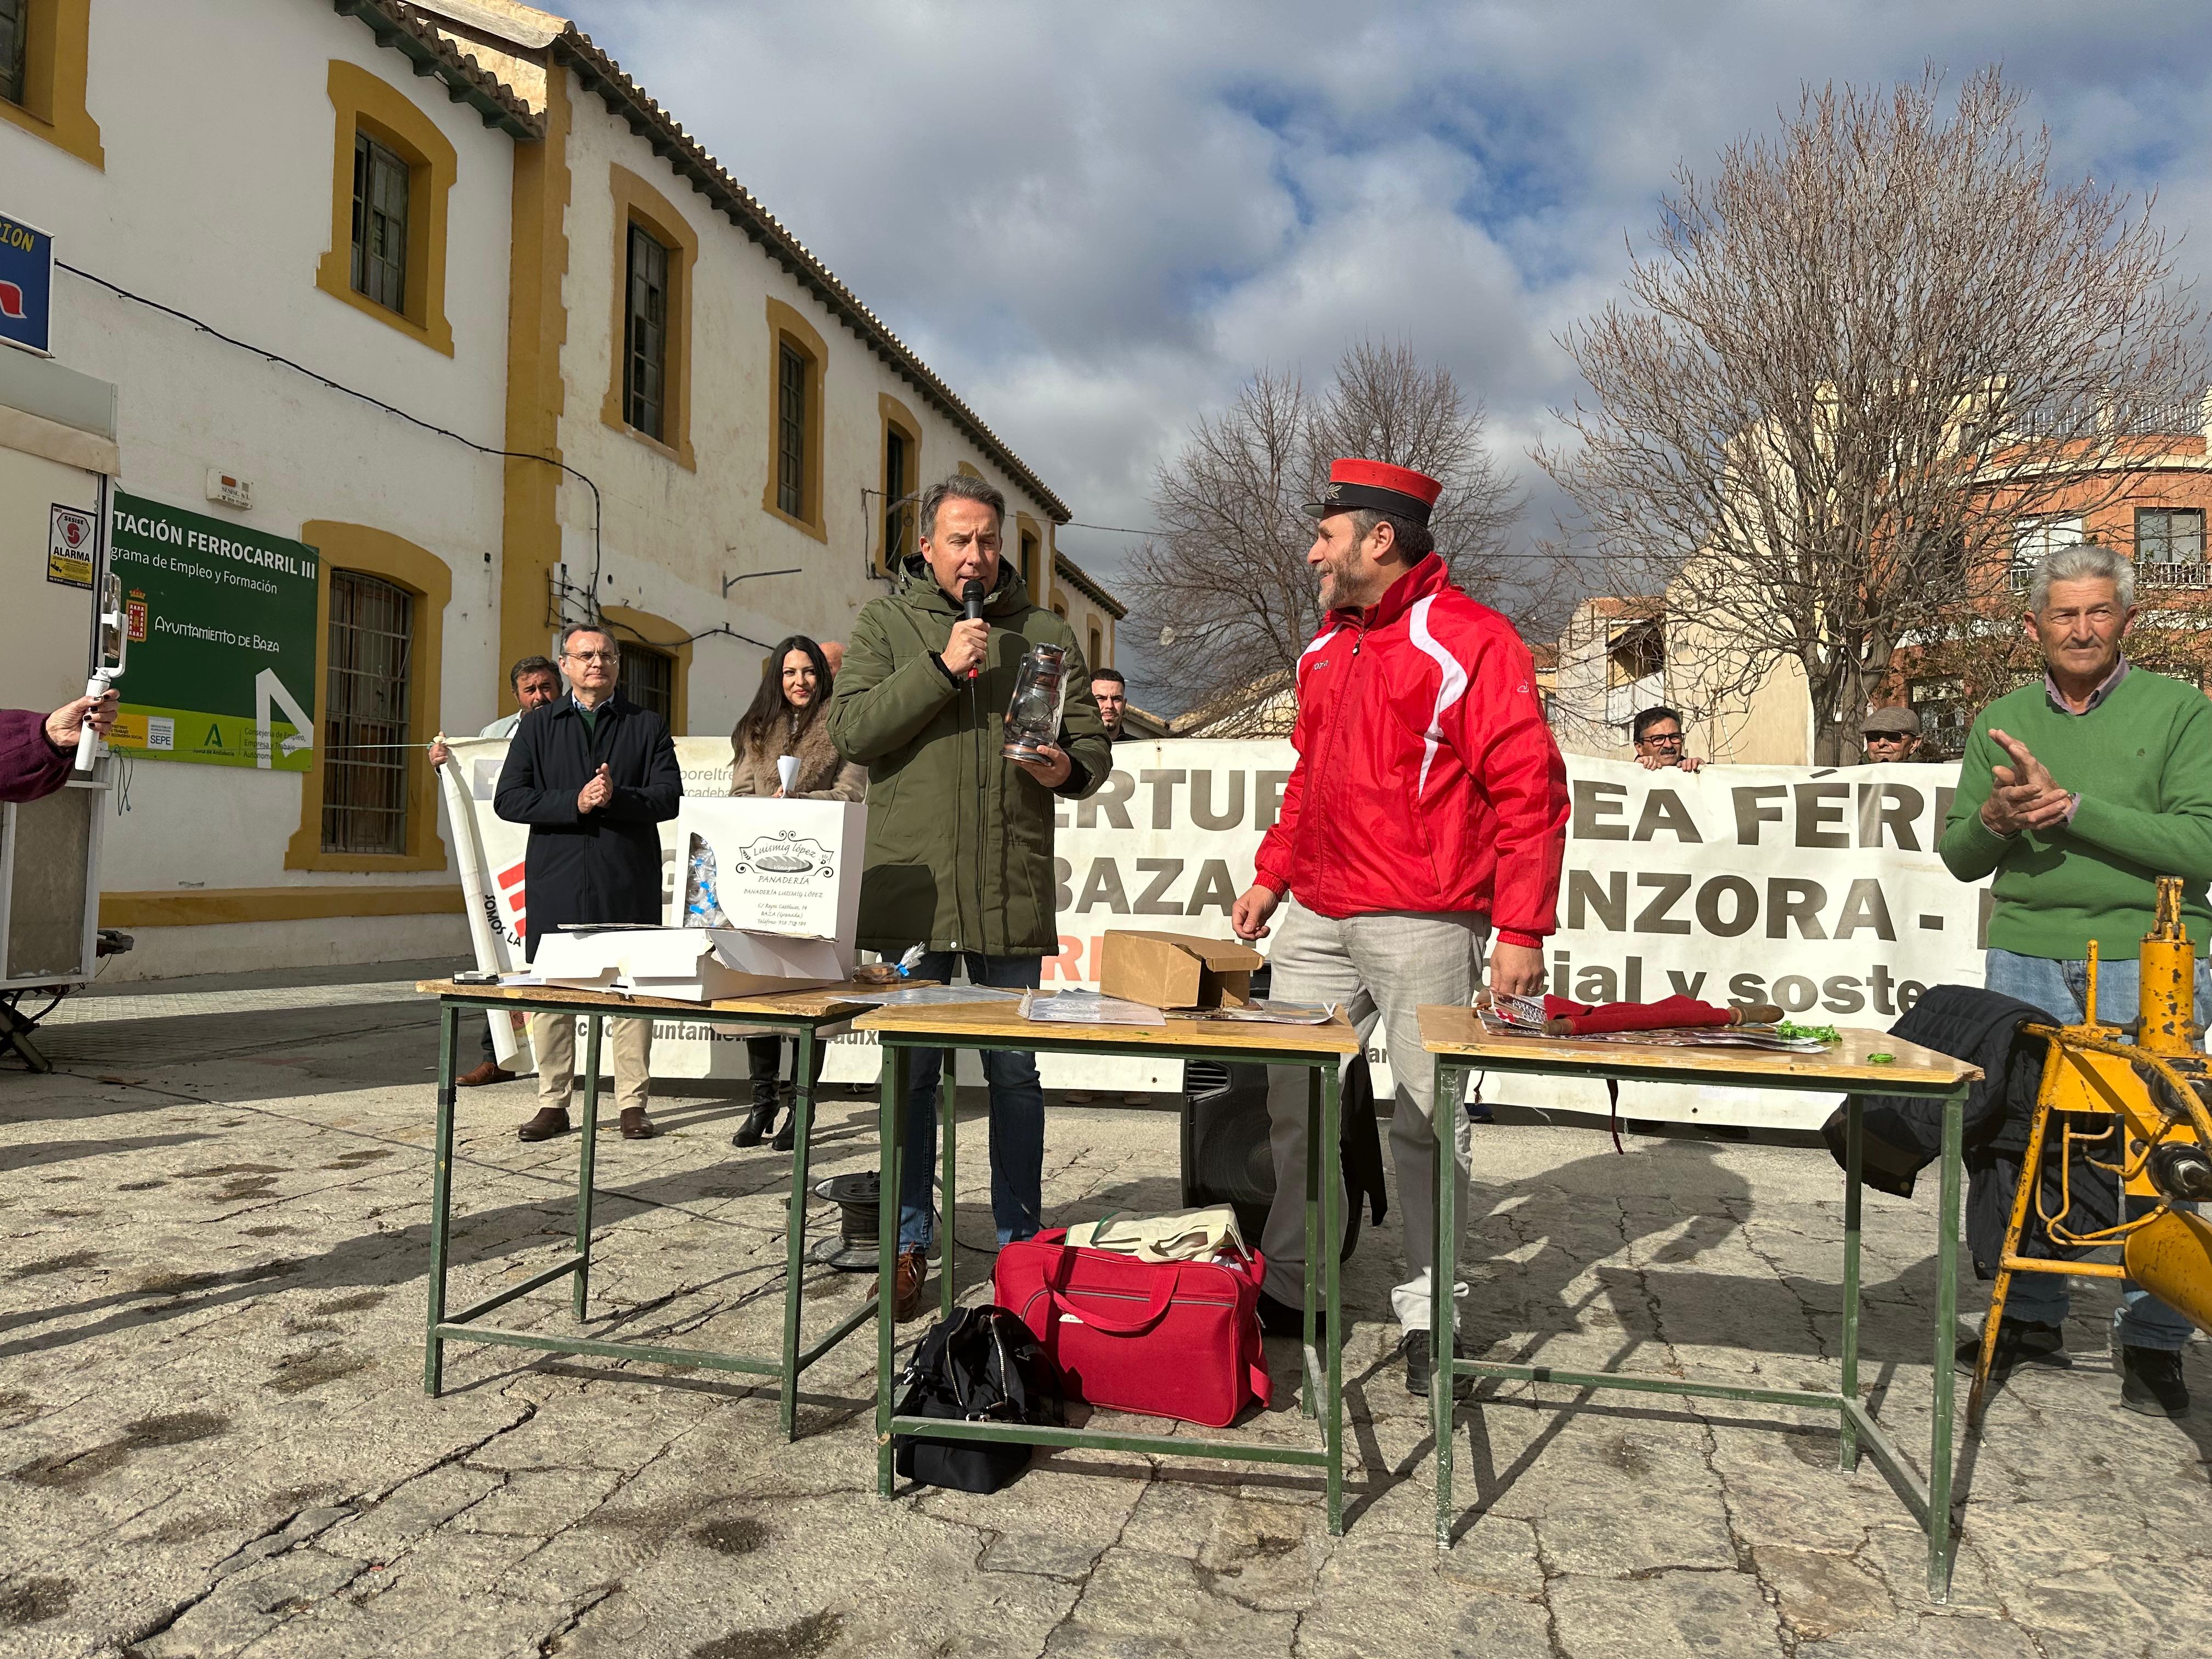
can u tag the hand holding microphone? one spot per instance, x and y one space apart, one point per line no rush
965 650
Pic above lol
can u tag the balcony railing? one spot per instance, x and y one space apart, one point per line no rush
2168 575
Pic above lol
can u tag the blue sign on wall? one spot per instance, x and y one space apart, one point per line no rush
27 285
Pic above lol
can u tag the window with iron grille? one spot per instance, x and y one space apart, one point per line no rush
648 679
1941 702
2034 540
2170 548
791 433
645 360
15 30
896 513
379 223
365 723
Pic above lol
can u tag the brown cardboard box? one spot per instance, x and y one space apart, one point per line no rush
1176 970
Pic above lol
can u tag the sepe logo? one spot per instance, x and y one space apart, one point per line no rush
787 853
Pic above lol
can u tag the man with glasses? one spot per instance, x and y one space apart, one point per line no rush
1889 735
593 776
1658 738
2076 791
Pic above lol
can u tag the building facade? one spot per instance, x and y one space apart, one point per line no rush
440 294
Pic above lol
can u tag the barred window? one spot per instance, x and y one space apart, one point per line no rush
2034 540
791 433
365 755
1941 702
644 362
2170 548
648 679
15 30
898 514
379 223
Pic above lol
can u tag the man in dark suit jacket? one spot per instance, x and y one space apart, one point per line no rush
592 774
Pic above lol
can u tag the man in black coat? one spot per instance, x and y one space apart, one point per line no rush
592 774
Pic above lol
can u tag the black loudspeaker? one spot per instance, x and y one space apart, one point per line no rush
1226 1158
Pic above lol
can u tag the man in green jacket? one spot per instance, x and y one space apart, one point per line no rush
2078 790
959 837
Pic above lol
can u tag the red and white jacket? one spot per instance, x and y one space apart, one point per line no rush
1427 778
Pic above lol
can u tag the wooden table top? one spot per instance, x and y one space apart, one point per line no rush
1458 1032
1003 1021
821 1002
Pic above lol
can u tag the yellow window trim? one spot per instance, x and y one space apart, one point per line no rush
1040 584
637 202
57 62
786 326
643 627
365 104
206 908
898 418
424 574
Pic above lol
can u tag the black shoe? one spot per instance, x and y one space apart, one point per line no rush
787 1136
1420 1366
1288 1319
759 1120
2020 1342
2150 1379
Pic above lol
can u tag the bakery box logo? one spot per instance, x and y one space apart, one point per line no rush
787 855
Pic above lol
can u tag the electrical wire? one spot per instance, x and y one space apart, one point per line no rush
592 596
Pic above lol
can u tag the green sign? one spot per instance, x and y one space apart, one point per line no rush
220 667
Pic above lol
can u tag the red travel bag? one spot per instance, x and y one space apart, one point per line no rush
1168 1339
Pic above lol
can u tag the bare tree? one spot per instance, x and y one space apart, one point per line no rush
1853 363
1227 577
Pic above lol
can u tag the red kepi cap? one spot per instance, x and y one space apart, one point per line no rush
1377 487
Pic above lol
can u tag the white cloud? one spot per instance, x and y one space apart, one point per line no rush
1096 221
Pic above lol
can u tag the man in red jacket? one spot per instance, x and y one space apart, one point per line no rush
1426 819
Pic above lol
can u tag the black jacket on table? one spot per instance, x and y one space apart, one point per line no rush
601 865
1904 1135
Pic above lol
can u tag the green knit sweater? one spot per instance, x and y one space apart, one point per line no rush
2141 762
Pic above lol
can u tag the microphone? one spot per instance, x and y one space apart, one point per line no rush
971 601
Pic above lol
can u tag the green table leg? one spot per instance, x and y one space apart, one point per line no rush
1443 1275
586 1164
1854 1157
1332 1250
1947 1334
1310 1352
442 1195
948 1136
794 1258
891 1129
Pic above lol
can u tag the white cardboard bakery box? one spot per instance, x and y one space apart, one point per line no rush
785 867
690 964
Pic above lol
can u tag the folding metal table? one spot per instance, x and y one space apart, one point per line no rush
804 1015
1461 1046
1320 1050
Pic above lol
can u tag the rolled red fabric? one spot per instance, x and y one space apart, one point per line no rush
1669 1013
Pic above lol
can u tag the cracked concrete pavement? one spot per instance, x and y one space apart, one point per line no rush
216 1440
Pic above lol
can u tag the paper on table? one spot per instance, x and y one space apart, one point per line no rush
1266 1010
1676 1036
1086 1008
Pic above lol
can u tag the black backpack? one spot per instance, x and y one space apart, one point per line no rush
981 1365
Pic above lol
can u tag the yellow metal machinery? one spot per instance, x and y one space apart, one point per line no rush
2137 1111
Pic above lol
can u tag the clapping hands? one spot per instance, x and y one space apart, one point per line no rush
2026 796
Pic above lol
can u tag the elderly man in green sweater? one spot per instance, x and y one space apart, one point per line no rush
2078 790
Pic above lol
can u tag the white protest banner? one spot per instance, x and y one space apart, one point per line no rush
1818 890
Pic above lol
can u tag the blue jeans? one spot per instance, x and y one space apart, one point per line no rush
2141 1321
1016 1115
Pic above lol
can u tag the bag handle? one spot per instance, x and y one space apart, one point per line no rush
1163 1288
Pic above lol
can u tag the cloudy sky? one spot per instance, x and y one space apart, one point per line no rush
1096 221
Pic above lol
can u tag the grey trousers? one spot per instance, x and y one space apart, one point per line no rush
1381 968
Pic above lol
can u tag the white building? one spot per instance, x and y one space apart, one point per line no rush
463 229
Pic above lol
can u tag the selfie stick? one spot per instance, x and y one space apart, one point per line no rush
113 627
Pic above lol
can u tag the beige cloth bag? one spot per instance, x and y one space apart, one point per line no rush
1177 1236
